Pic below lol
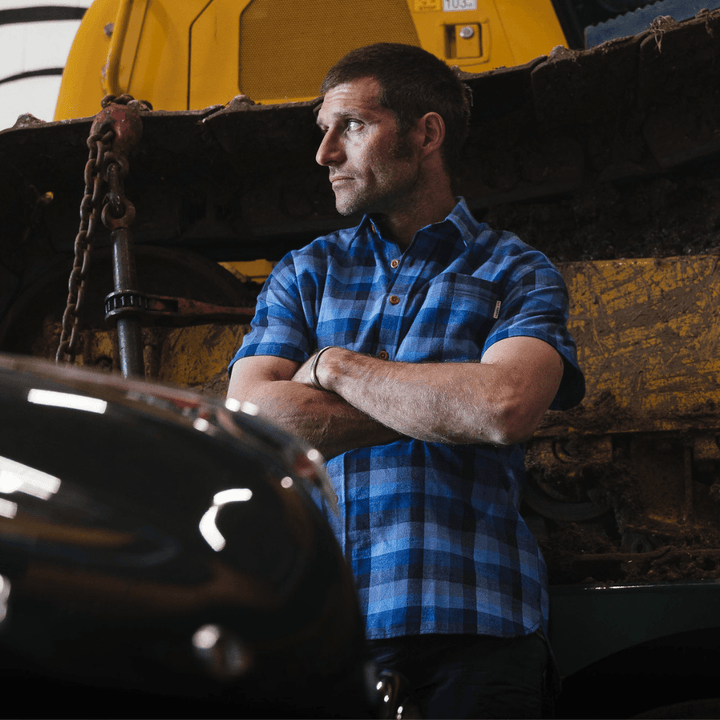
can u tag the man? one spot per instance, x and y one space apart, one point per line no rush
417 352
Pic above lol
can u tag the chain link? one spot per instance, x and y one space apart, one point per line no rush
90 211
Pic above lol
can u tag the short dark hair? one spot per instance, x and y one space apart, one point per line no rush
412 83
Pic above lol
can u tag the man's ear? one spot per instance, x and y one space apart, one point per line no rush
433 129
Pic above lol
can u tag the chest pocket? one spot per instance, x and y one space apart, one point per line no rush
456 316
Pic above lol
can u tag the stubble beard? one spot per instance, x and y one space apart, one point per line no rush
390 195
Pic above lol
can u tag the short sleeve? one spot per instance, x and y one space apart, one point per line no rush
535 304
280 327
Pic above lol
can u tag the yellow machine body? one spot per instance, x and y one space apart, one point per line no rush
191 54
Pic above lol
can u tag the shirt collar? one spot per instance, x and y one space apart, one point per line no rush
463 220
460 216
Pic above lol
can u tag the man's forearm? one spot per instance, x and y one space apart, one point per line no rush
324 420
419 400
498 403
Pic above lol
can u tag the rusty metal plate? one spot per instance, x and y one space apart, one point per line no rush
648 341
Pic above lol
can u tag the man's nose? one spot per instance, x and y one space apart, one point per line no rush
330 150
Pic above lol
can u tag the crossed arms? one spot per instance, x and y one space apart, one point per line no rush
368 401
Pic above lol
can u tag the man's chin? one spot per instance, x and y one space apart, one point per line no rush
347 212
348 207
356 203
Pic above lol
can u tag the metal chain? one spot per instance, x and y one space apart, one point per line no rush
104 166
90 209
117 209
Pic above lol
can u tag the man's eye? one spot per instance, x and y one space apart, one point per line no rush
353 124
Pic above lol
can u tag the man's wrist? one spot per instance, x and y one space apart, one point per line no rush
314 368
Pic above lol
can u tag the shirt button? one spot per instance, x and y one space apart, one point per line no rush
394 264
383 355
394 299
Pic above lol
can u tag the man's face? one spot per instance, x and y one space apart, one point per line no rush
371 169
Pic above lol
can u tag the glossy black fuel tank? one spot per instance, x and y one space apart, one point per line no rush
162 554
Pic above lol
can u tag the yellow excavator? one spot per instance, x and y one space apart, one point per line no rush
190 55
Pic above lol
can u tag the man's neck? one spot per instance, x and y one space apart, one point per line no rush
401 224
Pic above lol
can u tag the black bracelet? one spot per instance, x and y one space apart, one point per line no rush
313 367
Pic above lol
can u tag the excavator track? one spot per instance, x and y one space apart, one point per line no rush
588 130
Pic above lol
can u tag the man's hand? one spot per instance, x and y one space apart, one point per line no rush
307 372
302 375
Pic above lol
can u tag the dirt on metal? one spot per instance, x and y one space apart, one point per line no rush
663 217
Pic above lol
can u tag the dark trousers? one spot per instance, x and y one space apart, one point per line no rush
472 676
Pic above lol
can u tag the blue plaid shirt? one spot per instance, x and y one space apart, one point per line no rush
432 532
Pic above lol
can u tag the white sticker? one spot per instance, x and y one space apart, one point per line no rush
457 5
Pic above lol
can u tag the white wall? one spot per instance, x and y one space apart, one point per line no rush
33 46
